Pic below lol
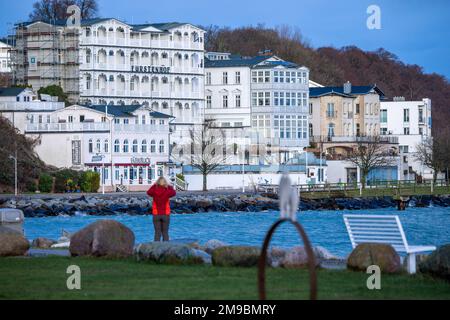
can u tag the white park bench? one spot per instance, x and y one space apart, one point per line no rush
383 229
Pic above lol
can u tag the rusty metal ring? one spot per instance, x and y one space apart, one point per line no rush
263 259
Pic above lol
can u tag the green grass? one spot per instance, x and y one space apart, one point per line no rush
45 278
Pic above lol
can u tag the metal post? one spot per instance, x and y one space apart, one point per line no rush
16 191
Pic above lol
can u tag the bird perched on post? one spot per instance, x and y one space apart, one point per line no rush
288 197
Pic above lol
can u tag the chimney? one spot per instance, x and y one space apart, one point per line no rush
347 87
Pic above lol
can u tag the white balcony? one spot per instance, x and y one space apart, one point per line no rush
31 106
140 128
66 127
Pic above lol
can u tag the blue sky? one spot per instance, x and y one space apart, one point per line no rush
415 30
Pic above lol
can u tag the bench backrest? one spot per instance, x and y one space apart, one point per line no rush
376 229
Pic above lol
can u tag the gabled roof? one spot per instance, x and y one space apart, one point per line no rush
117 111
356 90
162 27
235 61
126 111
11 92
160 115
257 62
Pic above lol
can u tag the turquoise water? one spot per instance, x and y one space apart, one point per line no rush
423 226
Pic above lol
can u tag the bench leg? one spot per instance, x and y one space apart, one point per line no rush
411 263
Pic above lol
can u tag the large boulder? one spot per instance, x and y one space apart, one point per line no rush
13 244
170 253
296 258
5 230
103 238
368 254
42 243
212 245
236 256
437 263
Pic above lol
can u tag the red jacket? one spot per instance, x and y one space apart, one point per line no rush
161 196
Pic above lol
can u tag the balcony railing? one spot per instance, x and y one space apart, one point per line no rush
355 139
94 126
31 106
67 127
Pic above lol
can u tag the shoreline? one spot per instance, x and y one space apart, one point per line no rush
192 203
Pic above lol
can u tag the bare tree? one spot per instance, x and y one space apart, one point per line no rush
370 153
433 154
48 10
205 150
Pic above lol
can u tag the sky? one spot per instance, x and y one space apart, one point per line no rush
417 31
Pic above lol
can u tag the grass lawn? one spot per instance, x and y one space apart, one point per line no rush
45 278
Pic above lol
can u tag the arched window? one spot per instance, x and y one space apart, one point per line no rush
144 146
106 146
98 146
161 146
135 146
116 146
91 147
153 146
125 146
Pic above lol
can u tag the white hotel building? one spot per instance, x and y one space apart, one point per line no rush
263 98
127 145
107 61
410 121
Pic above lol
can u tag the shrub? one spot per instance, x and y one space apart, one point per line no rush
180 176
90 181
31 186
45 183
67 180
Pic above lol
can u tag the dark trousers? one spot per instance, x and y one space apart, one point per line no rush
161 224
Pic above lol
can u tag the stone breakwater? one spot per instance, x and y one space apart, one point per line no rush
197 203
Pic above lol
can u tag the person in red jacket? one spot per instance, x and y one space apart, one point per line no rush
161 192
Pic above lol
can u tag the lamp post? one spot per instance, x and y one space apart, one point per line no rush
15 172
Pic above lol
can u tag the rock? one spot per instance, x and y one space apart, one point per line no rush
323 254
296 258
103 238
437 263
42 243
5 230
236 256
211 245
169 253
368 254
61 245
207 259
13 244
277 256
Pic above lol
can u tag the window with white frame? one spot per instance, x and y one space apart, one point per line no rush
208 102
238 101
237 78
225 78
225 101
208 78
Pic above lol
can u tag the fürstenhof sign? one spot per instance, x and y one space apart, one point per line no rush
150 69
135 160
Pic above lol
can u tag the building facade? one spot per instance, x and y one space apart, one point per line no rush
127 145
5 49
410 122
107 61
262 98
21 106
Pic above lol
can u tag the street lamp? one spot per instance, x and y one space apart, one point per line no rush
15 172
